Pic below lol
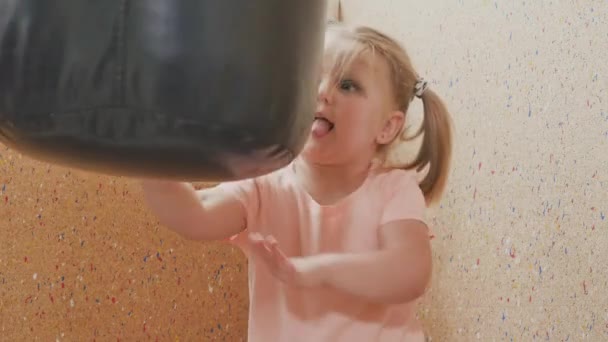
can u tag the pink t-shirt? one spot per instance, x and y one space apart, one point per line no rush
277 205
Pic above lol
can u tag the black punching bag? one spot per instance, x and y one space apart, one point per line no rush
185 89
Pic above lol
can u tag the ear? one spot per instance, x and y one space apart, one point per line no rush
391 128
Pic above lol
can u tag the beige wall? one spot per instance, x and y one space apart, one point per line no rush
522 246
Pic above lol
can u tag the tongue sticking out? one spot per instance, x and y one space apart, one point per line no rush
320 127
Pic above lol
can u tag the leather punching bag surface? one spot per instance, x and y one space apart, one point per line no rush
184 89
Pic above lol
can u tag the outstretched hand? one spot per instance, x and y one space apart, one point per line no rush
397 273
296 271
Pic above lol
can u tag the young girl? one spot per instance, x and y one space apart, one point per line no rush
337 243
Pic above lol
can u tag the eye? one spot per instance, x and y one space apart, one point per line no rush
348 85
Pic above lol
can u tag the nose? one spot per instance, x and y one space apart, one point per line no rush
324 93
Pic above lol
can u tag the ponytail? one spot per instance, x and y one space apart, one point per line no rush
436 149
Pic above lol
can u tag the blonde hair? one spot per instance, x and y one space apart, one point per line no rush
345 43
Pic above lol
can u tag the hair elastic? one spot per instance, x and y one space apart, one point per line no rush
420 87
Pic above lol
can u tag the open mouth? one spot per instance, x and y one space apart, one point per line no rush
321 127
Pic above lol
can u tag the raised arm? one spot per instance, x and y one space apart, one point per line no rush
208 214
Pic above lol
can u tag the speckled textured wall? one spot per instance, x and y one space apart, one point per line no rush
522 237
81 259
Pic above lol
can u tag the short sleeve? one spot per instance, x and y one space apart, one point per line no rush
247 193
403 198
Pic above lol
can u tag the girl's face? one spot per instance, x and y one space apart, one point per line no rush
355 114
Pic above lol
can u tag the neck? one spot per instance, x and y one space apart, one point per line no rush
329 183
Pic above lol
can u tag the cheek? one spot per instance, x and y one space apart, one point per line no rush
358 131
361 122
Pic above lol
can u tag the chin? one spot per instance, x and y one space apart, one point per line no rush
311 154
315 153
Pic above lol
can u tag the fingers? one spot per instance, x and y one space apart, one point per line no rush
273 245
257 240
268 249
260 251
265 247
269 243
